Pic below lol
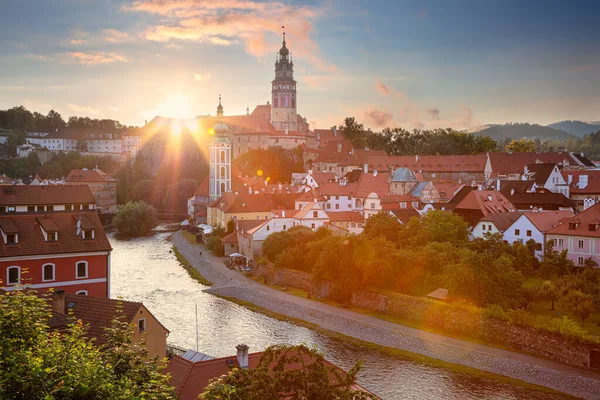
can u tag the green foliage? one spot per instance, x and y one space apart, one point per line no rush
135 219
276 377
581 303
177 194
213 241
521 146
555 263
38 364
549 292
277 242
355 132
382 224
276 163
435 226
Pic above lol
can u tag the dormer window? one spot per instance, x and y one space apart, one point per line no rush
88 234
573 226
52 237
12 238
11 209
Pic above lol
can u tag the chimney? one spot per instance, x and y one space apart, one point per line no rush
339 147
498 185
280 187
583 181
334 131
416 157
249 190
569 179
58 301
374 173
366 168
282 213
242 356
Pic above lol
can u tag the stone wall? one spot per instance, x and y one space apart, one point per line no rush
293 278
370 300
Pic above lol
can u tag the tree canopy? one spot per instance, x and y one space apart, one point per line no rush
36 363
135 219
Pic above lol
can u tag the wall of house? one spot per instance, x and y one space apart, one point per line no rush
579 247
65 278
524 226
339 203
156 334
479 231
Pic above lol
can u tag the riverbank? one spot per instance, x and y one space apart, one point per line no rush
533 370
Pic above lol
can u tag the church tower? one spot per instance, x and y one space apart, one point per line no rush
220 158
283 92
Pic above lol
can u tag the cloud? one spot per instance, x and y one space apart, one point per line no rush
114 36
378 118
586 67
111 108
316 80
38 57
434 113
92 58
382 88
201 77
84 109
225 22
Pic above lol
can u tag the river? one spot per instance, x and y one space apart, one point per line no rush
145 269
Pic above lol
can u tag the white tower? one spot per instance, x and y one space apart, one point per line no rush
283 92
220 158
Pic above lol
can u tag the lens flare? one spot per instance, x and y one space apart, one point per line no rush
259 172
211 132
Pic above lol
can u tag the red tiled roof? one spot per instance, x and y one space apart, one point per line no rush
502 220
191 378
541 172
505 163
333 153
203 188
88 175
231 238
340 216
546 220
371 183
261 202
46 195
335 189
487 201
404 215
324 136
447 190
593 186
323 177
584 219
466 163
32 242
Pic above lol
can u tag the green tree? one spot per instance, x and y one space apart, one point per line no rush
521 146
36 363
354 132
82 145
435 226
278 376
582 304
382 224
555 263
135 219
549 292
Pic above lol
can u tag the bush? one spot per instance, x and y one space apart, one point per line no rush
135 219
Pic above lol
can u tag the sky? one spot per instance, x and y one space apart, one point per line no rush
397 63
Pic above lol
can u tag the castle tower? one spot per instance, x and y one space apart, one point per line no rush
220 158
283 92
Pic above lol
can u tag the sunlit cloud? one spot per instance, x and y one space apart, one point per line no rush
114 36
111 108
224 22
98 57
84 109
434 113
378 118
382 88
38 57
201 77
175 105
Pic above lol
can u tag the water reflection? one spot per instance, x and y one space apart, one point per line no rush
145 269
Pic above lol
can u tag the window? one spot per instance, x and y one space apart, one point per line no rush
313 226
328 206
561 242
538 246
517 232
316 213
50 208
483 227
81 269
580 261
13 275
30 208
528 233
52 237
85 206
11 209
142 325
11 238
82 292
68 207
337 206
268 228
373 205
89 234
489 227
48 272
284 227
580 244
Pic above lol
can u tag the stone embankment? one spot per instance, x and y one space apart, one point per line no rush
574 381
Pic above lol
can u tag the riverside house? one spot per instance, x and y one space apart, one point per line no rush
580 235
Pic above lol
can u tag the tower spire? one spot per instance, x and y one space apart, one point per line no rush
283 27
219 108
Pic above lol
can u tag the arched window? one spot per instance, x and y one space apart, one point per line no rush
222 156
81 269
275 101
222 173
13 275
82 292
293 102
48 272
222 187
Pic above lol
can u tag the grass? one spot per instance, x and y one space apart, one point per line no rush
402 354
193 272
190 237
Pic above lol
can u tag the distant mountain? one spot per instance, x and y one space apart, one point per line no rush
523 130
578 128
478 128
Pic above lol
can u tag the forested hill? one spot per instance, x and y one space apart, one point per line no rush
578 128
523 130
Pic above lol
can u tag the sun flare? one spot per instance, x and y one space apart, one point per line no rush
176 105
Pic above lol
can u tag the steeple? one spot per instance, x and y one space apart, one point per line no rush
283 92
219 109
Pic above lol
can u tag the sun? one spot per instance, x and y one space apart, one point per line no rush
175 105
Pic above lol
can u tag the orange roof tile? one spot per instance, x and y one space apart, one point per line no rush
373 183
487 201
88 175
583 221
466 163
46 195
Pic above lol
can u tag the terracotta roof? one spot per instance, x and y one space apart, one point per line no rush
46 195
487 201
579 225
446 190
373 183
502 220
203 189
592 187
97 313
362 156
505 163
231 238
191 378
506 187
244 225
340 216
324 136
404 215
337 151
392 201
546 220
468 163
541 172
323 177
88 175
32 242
313 194
540 199
335 189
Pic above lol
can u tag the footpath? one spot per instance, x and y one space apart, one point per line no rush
564 378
